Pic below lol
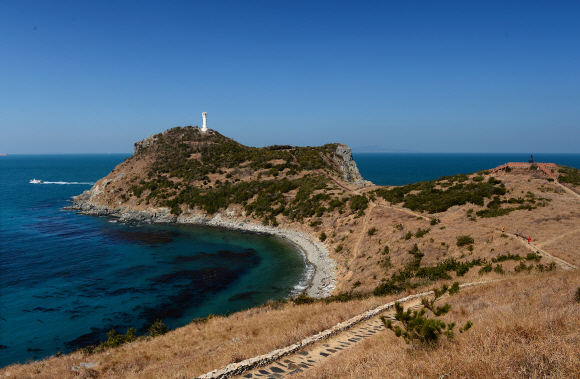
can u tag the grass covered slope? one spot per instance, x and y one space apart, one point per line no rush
186 170
522 328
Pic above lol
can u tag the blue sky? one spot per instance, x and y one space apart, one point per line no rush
433 76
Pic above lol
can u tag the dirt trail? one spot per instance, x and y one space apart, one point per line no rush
560 236
560 262
334 180
533 247
363 230
406 210
568 190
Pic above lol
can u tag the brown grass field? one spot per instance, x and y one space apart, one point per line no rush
523 328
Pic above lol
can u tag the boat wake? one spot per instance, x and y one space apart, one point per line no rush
90 183
35 181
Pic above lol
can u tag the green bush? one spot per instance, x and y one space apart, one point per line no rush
420 233
359 202
506 257
485 269
533 257
372 231
454 288
417 329
426 197
577 295
303 299
569 175
322 237
158 328
464 240
433 221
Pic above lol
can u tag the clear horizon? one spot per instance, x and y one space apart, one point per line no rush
428 77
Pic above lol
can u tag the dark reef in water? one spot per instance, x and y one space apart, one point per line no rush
189 288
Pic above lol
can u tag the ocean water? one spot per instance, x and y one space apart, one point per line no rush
67 279
403 168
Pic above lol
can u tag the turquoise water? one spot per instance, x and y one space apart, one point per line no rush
67 279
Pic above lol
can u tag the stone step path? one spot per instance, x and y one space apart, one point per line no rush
315 354
307 352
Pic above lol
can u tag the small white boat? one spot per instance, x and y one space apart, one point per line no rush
36 181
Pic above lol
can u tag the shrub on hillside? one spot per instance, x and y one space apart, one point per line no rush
158 328
464 240
421 232
417 328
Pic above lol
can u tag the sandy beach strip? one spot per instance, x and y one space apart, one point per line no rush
323 281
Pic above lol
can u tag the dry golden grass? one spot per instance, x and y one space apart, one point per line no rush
523 328
554 228
199 348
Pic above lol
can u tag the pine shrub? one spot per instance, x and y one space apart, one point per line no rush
417 329
464 240
158 328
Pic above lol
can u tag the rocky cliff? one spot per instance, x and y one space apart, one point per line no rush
343 157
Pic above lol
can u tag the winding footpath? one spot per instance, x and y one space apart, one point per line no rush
536 249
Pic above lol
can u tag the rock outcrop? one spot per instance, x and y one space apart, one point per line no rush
343 156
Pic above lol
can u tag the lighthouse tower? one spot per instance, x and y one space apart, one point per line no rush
204 128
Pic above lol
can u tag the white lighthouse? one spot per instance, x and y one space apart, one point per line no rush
204 128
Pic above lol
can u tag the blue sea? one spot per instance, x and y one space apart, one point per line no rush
397 169
67 279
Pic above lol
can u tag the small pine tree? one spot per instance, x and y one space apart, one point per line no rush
417 328
454 288
158 328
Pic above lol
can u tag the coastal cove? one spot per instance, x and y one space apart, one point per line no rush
69 278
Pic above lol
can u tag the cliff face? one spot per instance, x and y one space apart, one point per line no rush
343 157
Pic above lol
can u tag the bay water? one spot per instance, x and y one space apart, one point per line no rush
67 279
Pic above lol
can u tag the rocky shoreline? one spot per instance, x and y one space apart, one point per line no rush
320 285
